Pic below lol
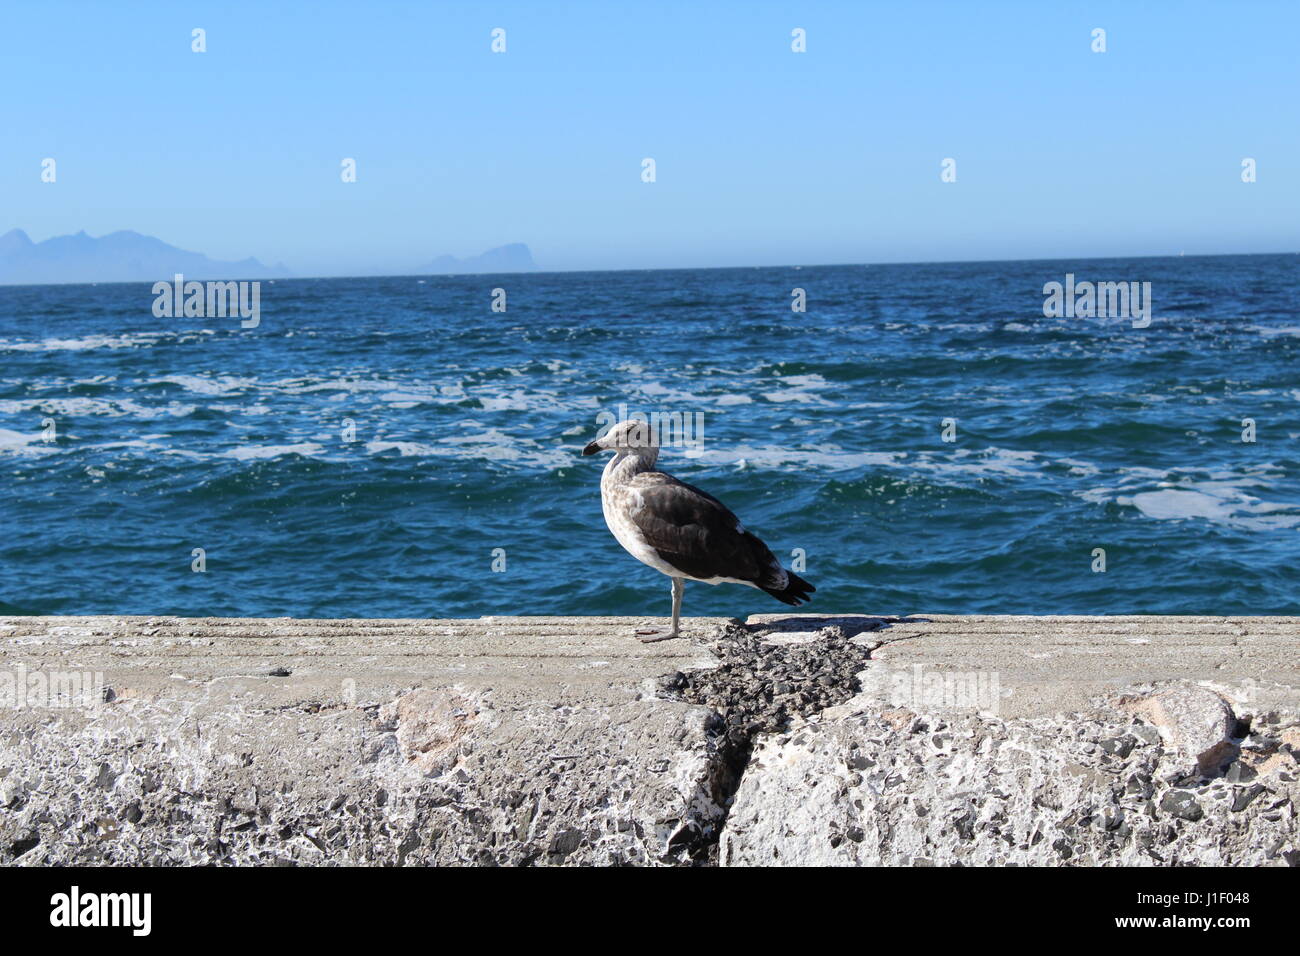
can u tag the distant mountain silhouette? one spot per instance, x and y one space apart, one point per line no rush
512 258
124 256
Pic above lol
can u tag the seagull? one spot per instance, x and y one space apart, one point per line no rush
678 529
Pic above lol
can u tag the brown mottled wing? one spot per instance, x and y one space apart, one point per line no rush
697 534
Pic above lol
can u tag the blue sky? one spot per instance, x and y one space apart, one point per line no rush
763 156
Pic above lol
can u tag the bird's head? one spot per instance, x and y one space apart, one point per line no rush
632 437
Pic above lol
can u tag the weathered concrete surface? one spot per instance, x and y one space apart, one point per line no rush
851 740
1058 664
506 740
1041 741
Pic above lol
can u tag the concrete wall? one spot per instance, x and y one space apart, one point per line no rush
852 740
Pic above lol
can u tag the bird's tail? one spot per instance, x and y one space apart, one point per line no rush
796 590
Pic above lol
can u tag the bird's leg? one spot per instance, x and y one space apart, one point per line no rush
647 637
679 588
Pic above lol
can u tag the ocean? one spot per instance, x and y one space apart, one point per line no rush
923 438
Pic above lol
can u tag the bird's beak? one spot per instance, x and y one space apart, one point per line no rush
592 448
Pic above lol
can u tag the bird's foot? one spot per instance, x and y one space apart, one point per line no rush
651 635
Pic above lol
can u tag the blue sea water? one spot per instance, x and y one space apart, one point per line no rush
822 430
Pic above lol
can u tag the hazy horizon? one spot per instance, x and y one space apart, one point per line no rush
542 270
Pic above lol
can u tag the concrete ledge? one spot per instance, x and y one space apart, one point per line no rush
791 738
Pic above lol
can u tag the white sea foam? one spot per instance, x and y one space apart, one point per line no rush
492 445
1218 496
81 406
407 449
771 456
1080 468
247 452
207 385
126 341
791 395
657 395
798 388
1234 508
991 461
403 399
20 445
133 443
295 386
517 401
396 393
230 409
12 440
1001 462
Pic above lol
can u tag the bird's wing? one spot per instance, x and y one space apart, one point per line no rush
697 534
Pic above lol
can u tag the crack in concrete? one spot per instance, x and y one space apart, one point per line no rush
760 686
